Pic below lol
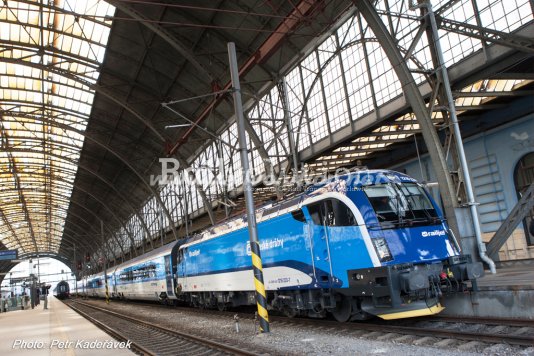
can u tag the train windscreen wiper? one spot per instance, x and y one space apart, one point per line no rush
398 192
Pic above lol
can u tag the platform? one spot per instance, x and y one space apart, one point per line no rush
507 294
55 331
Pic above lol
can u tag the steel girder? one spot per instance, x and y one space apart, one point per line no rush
64 56
414 98
60 158
35 49
7 223
189 56
50 6
264 51
199 188
21 197
70 238
49 254
75 233
51 121
520 43
63 197
175 44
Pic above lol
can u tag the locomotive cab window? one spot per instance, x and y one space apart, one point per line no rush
331 212
298 215
401 203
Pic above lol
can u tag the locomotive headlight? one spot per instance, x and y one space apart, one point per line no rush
382 249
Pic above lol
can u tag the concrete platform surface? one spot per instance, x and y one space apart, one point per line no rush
57 331
509 278
507 294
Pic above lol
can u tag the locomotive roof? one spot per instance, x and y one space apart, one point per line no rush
271 210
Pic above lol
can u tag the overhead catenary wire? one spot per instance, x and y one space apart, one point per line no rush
201 8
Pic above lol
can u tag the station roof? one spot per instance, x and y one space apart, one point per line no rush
48 54
82 85
54 82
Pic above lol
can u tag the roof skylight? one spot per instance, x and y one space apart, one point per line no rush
50 48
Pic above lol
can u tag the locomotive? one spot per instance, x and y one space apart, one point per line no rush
369 243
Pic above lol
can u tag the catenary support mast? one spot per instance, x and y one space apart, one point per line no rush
261 296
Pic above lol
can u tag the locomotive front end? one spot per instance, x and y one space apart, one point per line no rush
419 258
411 290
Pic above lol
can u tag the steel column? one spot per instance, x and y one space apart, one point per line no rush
289 126
105 260
458 137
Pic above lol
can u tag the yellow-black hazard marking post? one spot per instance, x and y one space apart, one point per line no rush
261 296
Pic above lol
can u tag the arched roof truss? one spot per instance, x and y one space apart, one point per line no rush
50 51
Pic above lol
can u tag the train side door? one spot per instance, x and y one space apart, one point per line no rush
113 277
320 213
169 281
181 268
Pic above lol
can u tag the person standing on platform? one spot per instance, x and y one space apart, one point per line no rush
44 293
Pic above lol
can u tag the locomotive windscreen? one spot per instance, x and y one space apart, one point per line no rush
401 203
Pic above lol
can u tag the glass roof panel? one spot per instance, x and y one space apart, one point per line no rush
46 46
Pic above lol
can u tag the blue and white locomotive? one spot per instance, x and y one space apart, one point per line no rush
368 243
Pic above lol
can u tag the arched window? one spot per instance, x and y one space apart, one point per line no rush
524 177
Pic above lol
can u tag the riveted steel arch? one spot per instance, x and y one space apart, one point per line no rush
37 51
108 183
62 180
67 199
126 162
70 200
97 88
48 254
75 232
120 221
96 231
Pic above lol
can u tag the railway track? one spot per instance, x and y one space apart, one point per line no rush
486 331
441 331
147 338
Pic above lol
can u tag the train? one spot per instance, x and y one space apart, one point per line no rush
364 244
62 290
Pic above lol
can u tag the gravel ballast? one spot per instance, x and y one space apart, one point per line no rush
287 339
